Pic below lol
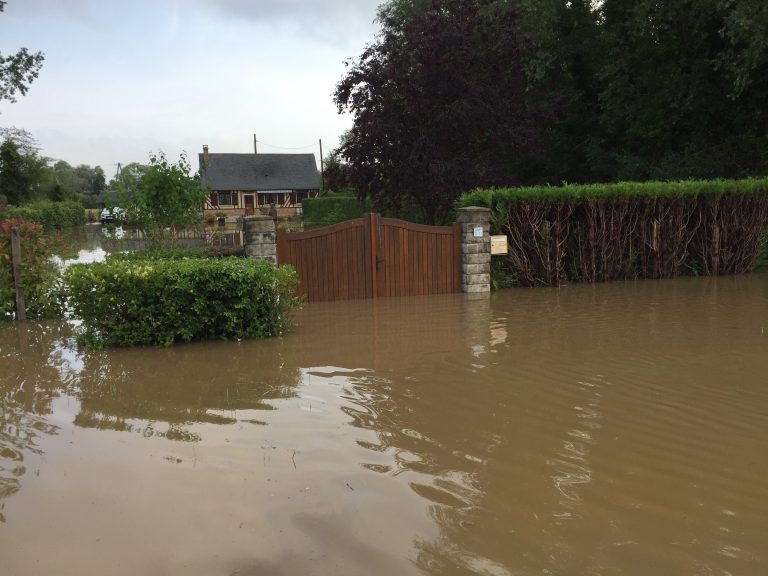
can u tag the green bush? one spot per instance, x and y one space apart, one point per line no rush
327 210
150 302
51 215
40 277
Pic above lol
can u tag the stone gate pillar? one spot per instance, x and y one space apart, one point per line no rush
260 238
475 249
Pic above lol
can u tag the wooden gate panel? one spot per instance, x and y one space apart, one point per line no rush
332 263
373 256
417 259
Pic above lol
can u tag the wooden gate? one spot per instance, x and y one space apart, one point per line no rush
372 257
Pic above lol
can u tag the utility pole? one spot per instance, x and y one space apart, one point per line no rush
255 149
322 169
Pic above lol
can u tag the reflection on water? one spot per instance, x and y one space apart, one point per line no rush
614 429
92 243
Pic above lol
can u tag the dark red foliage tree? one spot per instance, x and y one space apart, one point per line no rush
440 105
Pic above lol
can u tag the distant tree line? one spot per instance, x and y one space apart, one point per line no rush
455 94
26 176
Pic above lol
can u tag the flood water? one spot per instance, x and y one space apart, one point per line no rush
608 429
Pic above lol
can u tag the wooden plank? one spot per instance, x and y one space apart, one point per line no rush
373 232
425 276
341 259
21 305
404 286
456 260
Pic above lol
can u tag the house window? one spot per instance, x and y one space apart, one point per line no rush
214 198
228 198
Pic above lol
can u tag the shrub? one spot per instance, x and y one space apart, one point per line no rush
51 215
327 210
128 302
599 232
40 278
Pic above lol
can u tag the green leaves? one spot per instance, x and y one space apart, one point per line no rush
17 71
492 197
164 198
51 215
131 302
327 210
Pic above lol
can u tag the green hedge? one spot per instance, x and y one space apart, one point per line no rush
126 302
327 210
601 232
51 215
492 197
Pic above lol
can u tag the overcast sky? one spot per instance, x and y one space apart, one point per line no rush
122 79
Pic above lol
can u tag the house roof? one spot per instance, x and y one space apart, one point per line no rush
260 172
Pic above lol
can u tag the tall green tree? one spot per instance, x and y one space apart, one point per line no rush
18 70
563 67
684 86
21 175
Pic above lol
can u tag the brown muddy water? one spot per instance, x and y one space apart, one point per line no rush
609 429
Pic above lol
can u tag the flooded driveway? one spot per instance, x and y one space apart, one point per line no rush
609 429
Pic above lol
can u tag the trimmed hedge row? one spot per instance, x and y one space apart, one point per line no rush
125 302
327 210
491 197
51 215
601 232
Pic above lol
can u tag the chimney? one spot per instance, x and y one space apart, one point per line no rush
205 154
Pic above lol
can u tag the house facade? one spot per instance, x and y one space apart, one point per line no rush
244 184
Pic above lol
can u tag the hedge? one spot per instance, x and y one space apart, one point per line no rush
125 302
327 210
600 232
490 197
51 215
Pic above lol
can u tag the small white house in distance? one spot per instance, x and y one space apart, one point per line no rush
240 184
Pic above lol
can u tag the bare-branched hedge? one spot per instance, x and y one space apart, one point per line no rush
602 232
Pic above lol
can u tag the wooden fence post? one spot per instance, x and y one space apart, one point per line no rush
21 309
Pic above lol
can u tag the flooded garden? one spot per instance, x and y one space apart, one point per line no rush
617 428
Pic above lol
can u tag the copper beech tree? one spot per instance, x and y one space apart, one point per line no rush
440 104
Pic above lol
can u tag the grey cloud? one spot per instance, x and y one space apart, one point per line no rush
76 9
332 21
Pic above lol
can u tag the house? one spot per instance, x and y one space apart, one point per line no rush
241 184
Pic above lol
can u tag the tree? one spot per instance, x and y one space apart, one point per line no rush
336 173
166 198
20 174
441 105
18 71
564 67
684 86
84 181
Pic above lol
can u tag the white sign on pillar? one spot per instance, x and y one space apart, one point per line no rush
478 231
